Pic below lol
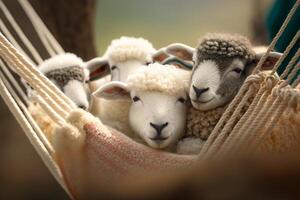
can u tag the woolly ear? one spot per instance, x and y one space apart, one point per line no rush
270 61
173 60
98 68
181 51
112 90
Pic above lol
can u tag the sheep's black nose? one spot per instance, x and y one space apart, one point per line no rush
159 127
82 107
199 91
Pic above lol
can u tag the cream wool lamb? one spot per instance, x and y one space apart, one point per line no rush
122 57
151 105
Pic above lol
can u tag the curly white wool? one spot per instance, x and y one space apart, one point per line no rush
129 48
161 78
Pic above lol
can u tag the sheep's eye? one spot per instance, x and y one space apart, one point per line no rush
148 63
135 99
113 67
181 100
237 70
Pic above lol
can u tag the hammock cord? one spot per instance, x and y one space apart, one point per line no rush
22 66
36 84
40 135
51 45
20 33
13 40
278 35
285 54
31 134
290 65
14 82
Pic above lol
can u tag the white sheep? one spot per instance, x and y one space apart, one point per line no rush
122 57
152 104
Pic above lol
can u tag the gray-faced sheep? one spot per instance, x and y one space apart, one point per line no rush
221 63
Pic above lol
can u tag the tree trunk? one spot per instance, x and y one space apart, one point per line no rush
71 22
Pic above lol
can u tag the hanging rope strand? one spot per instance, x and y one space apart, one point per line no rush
40 135
39 147
285 53
20 33
14 82
13 40
39 30
278 35
290 65
40 27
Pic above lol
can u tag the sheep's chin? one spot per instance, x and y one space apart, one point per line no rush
159 144
217 101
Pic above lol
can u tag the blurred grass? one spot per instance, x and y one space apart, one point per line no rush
166 21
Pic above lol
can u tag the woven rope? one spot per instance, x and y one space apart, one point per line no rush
237 133
20 33
253 80
288 101
228 127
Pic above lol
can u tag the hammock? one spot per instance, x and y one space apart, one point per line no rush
88 156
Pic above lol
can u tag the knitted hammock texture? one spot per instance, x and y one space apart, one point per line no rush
85 155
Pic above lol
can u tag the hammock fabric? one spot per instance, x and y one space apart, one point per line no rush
85 155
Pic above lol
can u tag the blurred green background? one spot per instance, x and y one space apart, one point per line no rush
166 21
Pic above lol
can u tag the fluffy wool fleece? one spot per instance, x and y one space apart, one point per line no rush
61 61
228 45
167 79
129 48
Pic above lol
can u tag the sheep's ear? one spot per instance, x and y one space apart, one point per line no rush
173 60
181 51
112 90
98 67
270 61
160 55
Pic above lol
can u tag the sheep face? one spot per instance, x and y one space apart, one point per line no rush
221 63
70 74
72 81
158 118
215 82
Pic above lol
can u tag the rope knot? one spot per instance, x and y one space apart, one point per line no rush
255 80
271 81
